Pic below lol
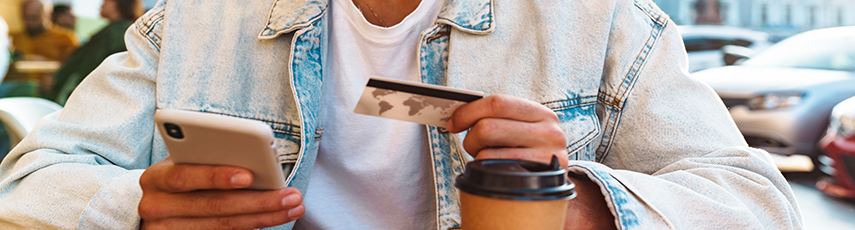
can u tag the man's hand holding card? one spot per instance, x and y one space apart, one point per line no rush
500 126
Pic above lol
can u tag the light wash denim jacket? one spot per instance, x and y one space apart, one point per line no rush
659 143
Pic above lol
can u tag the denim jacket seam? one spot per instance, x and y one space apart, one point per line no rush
92 198
548 104
432 56
470 29
289 132
614 209
577 141
465 28
566 100
156 17
303 144
269 32
574 105
609 130
146 27
608 136
658 18
629 81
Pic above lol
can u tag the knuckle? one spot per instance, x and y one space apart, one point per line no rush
148 209
145 181
556 136
457 118
498 104
215 205
225 223
214 178
271 220
149 225
484 129
145 211
469 145
175 180
221 177
552 116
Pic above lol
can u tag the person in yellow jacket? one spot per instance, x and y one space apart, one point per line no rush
41 41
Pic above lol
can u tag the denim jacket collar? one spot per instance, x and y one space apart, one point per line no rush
471 16
290 15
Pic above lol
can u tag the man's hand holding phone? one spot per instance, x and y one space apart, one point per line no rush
222 173
186 196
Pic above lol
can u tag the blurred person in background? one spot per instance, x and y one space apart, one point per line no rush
110 40
63 17
4 64
41 41
4 48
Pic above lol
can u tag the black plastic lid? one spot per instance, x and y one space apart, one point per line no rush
516 180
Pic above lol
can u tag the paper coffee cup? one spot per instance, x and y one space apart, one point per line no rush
501 194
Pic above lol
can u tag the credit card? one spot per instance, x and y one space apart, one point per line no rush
410 101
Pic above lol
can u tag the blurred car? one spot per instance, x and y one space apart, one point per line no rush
838 146
782 97
704 43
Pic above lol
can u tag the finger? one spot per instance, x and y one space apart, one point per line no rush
537 155
492 132
219 203
248 221
187 177
498 106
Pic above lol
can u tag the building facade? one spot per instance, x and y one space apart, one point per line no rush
781 18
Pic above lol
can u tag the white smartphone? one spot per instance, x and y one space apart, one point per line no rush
213 139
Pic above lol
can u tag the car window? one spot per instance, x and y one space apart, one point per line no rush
742 42
703 44
694 44
815 52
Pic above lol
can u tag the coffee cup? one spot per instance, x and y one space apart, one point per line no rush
504 194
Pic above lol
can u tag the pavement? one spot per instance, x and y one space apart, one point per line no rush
819 211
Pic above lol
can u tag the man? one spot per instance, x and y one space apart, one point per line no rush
602 84
63 17
40 41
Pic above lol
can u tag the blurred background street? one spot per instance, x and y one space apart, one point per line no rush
785 69
818 210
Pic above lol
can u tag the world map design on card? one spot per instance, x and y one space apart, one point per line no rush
413 102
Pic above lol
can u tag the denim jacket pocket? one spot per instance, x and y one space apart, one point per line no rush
577 117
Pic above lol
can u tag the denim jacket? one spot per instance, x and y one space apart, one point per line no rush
659 143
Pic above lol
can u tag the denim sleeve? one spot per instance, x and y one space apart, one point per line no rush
672 156
57 179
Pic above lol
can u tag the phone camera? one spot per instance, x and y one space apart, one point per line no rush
173 131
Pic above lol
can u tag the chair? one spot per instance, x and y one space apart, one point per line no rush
20 114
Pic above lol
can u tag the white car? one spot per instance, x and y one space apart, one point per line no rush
704 43
782 97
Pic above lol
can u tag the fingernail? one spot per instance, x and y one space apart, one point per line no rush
241 180
296 211
291 199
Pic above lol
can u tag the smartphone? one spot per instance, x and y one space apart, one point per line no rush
213 139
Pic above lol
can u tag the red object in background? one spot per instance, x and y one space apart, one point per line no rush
839 163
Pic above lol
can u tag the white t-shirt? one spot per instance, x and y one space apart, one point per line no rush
370 173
